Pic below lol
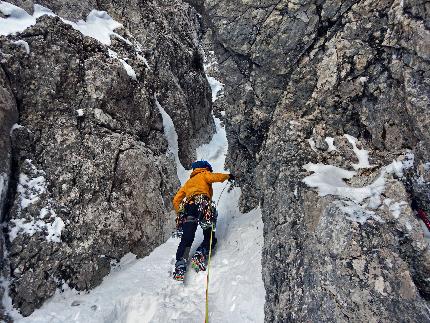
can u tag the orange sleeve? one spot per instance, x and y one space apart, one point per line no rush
178 199
216 177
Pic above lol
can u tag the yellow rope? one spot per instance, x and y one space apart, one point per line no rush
207 278
209 263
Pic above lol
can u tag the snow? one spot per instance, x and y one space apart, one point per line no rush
357 213
396 208
80 112
15 126
216 87
29 189
172 140
139 291
357 202
143 290
23 44
112 53
426 231
98 25
409 160
143 59
362 154
311 143
328 180
363 79
130 71
30 227
3 187
16 20
330 143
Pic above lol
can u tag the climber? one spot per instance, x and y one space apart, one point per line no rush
193 205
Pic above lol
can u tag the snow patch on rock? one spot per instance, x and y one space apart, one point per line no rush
216 87
357 202
330 143
31 186
3 189
98 25
23 44
130 71
362 154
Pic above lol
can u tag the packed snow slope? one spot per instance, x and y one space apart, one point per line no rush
143 290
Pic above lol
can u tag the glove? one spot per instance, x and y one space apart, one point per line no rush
231 178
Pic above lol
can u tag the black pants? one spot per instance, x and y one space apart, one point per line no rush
189 231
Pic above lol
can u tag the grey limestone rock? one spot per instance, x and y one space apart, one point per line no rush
297 72
92 176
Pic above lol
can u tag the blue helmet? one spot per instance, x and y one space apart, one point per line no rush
201 164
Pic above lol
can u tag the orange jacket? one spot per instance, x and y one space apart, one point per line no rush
200 182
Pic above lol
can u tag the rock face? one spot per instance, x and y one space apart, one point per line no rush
92 178
298 77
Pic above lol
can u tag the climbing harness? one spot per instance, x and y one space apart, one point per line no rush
209 264
206 209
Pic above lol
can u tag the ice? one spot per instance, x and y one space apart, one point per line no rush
362 154
130 71
23 44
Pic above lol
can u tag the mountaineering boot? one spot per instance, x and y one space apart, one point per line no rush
180 269
198 262
200 259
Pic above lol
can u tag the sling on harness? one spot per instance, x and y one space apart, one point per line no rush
206 209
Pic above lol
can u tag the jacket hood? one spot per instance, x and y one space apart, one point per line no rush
198 171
